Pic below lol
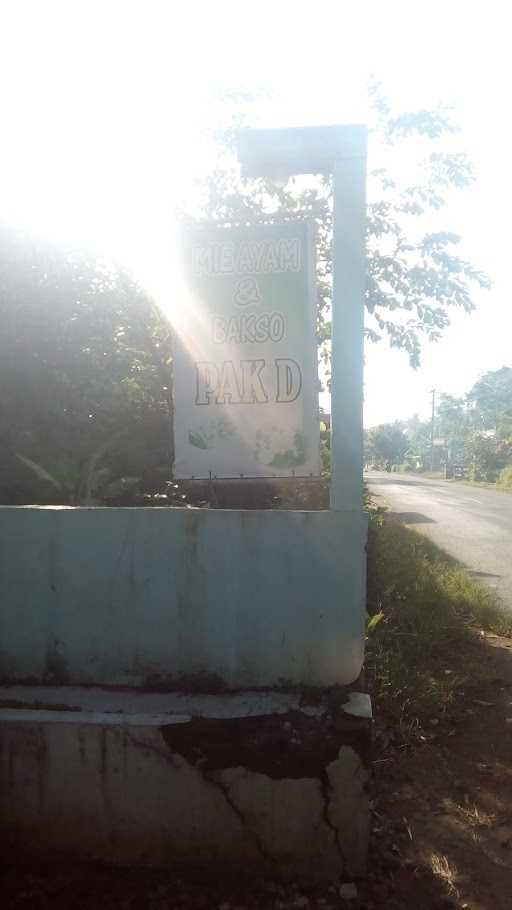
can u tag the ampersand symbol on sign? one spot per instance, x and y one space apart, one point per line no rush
247 292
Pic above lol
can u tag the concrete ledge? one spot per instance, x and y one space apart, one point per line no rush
260 781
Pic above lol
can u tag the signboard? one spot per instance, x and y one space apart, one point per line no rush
245 366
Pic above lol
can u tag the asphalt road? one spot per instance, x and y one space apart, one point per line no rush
474 525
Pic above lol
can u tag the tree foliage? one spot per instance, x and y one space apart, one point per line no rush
84 378
490 402
475 429
415 275
387 444
450 417
85 357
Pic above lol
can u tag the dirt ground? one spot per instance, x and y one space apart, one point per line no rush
443 806
441 828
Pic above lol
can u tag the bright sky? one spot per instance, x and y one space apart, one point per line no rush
104 106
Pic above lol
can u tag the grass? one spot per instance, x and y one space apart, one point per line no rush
504 481
485 485
443 869
475 818
424 650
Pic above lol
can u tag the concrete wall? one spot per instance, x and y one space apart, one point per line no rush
134 596
220 784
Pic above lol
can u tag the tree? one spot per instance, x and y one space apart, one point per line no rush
387 443
450 424
418 434
85 357
450 417
84 378
490 402
481 456
415 277
488 441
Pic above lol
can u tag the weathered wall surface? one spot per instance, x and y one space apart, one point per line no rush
181 597
279 795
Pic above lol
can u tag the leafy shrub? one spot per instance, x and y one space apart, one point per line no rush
504 481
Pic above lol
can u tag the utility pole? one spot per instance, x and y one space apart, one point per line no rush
433 393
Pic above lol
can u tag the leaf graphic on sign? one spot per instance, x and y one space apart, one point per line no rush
195 439
291 458
206 436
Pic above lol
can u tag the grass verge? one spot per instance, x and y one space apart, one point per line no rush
484 485
424 650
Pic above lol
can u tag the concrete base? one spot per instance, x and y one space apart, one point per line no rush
267 782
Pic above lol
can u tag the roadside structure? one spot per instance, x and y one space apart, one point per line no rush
178 685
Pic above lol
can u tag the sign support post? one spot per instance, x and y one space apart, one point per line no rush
340 151
347 355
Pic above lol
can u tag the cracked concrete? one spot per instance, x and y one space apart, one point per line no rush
326 796
222 784
278 794
348 779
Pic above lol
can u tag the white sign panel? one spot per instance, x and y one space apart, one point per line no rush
245 368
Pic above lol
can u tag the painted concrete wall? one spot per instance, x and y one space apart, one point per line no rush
129 596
